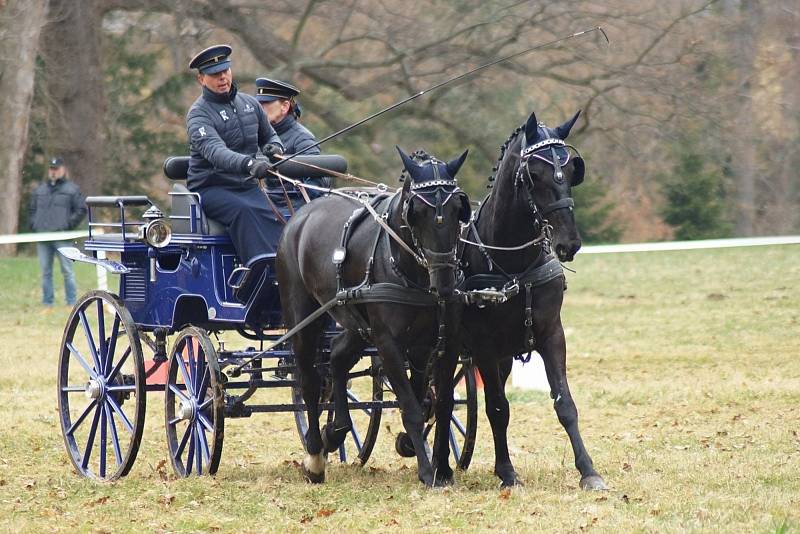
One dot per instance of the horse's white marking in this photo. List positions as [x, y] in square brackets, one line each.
[314, 463]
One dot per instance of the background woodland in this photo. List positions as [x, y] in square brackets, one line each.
[690, 125]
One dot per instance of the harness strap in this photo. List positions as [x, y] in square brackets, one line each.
[272, 205]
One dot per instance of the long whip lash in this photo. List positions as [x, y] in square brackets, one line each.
[439, 85]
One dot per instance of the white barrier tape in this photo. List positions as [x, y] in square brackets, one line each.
[691, 245]
[39, 237]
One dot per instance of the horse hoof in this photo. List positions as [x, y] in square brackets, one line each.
[593, 483]
[507, 475]
[443, 477]
[510, 482]
[404, 446]
[314, 478]
[332, 438]
[313, 468]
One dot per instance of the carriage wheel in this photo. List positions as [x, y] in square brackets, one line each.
[366, 421]
[101, 387]
[195, 401]
[463, 422]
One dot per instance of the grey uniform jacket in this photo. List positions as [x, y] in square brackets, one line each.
[56, 207]
[294, 136]
[225, 133]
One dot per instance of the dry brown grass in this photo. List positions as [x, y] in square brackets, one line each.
[684, 366]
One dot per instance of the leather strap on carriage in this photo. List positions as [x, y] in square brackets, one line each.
[272, 205]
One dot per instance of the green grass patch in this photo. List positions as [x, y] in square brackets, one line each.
[684, 367]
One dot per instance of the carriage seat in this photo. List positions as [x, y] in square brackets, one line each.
[176, 168]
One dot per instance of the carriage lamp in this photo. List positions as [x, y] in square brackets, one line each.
[156, 231]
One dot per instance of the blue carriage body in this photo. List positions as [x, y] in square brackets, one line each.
[187, 281]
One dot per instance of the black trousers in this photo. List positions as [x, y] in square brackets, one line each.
[244, 210]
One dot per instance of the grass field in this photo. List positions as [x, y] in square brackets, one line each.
[684, 367]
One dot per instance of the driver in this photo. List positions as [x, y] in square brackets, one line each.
[226, 130]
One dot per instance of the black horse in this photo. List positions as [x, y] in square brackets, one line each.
[333, 244]
[530, 199]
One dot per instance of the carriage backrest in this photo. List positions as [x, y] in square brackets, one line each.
[176, 167]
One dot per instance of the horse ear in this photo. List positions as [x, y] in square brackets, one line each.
[563, 130]
[455, 164]
[532, 129]
[408, 163]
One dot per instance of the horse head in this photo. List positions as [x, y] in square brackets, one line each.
[433, 209]
[548, 169]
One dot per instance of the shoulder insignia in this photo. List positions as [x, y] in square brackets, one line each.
[224, 114]
[202, 131]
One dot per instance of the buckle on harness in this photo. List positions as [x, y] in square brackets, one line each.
[339, 254]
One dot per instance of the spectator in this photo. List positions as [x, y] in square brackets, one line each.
[56, 205]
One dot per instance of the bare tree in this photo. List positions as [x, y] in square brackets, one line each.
[71, 48]
[20, 25]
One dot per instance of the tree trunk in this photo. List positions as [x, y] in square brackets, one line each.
[20, 26]
[744, 43]
[74, 69]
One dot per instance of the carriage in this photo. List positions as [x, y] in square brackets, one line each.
[191, 321]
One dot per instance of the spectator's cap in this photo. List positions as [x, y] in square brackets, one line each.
[56, 162]
[268, 90]
[212, 60]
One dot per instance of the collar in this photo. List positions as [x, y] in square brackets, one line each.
[211, 96]
[285, 124]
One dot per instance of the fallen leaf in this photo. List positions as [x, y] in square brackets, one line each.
[505, 494]
[626, 466]
[324, 512]
[101, 500]
[167, 499]
[3, 482]
[625, 499]
[306, 519]
[30, 484]
[392, 523]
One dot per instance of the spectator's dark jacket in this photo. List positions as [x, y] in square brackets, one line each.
[55, 207]
[225, 133]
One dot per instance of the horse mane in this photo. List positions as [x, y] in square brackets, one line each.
[503, 149]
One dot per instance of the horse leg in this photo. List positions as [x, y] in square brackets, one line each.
[410, 408]
[494, 374]
[554, 354]
[418, 361]
[345, 352]
[444, 412]
[304, 346]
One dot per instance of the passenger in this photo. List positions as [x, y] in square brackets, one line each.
[279, 101]
[226, 130]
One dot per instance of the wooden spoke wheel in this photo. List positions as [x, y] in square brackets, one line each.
[366, 419]
[101, 387]
[194, 397]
